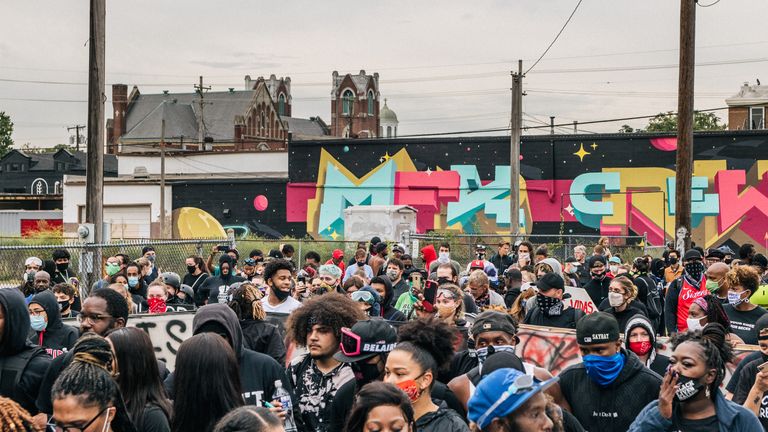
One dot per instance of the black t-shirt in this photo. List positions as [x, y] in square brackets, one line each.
[747, 378]
[743, 322]
[704, 425]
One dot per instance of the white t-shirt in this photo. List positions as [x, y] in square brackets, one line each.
[287, 306]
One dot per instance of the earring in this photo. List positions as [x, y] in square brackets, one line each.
[706, 392]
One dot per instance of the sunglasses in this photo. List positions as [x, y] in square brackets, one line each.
[351, 344]
[362, 296]
[521, 384]
[445, 294]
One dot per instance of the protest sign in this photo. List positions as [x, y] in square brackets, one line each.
[580, 299]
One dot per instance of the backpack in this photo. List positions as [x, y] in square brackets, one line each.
[654, 302]
[12, 369]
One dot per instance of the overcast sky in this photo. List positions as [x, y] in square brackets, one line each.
[444, 65]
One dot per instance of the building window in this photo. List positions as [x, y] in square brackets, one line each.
[281, 104]
[60, 166]
[263, 123]
[389, 131]
[757, 117]
[371, 102]
[13, 167]
[346, 102]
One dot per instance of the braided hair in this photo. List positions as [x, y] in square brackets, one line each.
[14, 418]
[246, 302]
[716, 351]
[429, 342]
[714, 311]
[89, 379]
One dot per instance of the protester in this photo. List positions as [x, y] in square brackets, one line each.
[746, 252]
[444, 257]
[689, 398]
[622, 301]
[249, 419]
[424, 348]
[480, 288]
[49, 332]
[752, 380]
[359, 262]
[218, 286]
[381, 407]
[706, 310]
[62, 273]
[524, 252]
[383, 286]
[445, 273]
[133, 308]
[316, 376]
[149, 253]
[640, 338]
[86, 394]
[550, 310]
[597, 286]
[378, 260]
[195, 277]
[715, 275]
[258, 334]
[156, 297]
[138, 377]
[208, 386]
[580, 254]
[136, 284]
[450, 306]
[509, 400]
[22, 365]
[65, 297]
[42, 282]
[742, 282]
[331, 276]
[395, 269]
[337, 259]
[683, 291]
[519, 308]
[405, 303]
[502, 259]
[15, 418]
[277, 275]
[603, 391]
[111, 268]
[31, 266]
[365, 348]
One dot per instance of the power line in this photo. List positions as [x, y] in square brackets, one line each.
[555, 39]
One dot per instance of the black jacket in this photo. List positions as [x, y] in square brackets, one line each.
[265, 338]
[14, 345]
[442, 420]
[57, 338]
[598, 289]
[196, 282]
[623, 317]
[213, 285]
[611, 408]
[258, 372]
[501, 262]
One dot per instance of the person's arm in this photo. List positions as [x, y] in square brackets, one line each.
[755, 396]
[670, 307]
[209, 261]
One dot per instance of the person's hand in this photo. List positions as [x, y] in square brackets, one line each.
[277, 409]
[215, 250]
[761, 381]
[667, 393]
[39, 422]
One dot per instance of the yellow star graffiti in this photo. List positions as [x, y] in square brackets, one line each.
[594, 146]
[581, 153]
[334, 235]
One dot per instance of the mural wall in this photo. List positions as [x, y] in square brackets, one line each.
[597, 184]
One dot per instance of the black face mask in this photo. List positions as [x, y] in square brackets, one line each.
[550, 306]
[443, 280]
[695, 269]
[191, 269]
[688, 388]
[63, 305]
[672, 261]
[61, 268]
[360, 264]
[366, 372]
[598, 276]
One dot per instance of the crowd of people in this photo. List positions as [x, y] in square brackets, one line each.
[389, 341]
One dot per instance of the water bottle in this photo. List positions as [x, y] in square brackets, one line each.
[284, 397]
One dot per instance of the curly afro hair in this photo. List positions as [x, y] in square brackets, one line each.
[333, 310]
[429, 341]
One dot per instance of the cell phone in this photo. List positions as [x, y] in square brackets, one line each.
[301, 279]
[430, 291]
[416, 280]
[222, 248]
[762, 366]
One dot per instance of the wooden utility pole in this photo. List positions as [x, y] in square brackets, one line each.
[514, 149]
[77, 135]
[163, 224]
[94, 173]
[684, 161]
[200, 90]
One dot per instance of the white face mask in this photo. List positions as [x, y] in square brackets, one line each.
[614, 269]
[694, 323]
[615, 299]
[444, 257]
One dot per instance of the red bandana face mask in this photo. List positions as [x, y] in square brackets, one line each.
[411, 389]
[640, 348]
[156, 305]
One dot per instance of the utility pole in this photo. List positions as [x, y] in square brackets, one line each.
[575, 126]
[551, 125]
[162, 178]
[94, 173]
[514, 149]
[77, 135]
[200, 90]
[684, 160]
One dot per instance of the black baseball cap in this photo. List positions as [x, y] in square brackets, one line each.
[550, 281]
[491, 320]
[692, 254]
[596, 328]
[366, 339]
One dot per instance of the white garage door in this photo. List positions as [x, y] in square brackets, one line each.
[128, 222]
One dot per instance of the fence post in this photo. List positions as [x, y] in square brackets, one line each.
[645, 242]
[299, 259]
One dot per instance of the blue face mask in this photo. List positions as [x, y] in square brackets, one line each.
[603, 369]
[133, 281]
[37, 322]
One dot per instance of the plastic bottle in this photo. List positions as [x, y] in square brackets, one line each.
[284, 397]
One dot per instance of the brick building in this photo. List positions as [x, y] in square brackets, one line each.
[746, 109]
[355, 105]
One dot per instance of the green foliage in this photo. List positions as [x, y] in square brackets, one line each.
[667, 122]
[6, 129]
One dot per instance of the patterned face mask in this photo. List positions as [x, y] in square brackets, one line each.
[550, 306]
[484, 352]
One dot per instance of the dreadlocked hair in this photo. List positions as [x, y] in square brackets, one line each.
[246, 302]
[333, 310]
[715, 313]
[14, 418]
[429, 341]
[716, 351]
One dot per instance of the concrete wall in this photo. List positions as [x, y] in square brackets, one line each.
[204, 163]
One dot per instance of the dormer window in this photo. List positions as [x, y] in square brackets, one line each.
[371, 102]
[281, 104]
[346, 103]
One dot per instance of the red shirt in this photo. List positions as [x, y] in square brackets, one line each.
[340, 265]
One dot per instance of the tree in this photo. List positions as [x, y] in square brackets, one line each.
[6, 129]
[625, 128]
[667, 122]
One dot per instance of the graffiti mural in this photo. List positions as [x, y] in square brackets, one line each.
[620, 184]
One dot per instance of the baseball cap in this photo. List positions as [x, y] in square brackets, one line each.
[501, 393]
[398, 248]
[338, 253]
[595, 259]
[572, 261]
[550, 281]
[615, 260]
[761, 327]
[692, 254]
[477, 264]
[33, 261]
[596, 328]
[715, 253]
[492, 320]
[366, 339]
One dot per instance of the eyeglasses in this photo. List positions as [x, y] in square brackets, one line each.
[351, 344]
[92, 318]
[36, 312]
[63, 428]
[363, 296]
[521, 384]
[445, 294]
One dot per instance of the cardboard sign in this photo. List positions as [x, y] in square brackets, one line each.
[580, 299]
